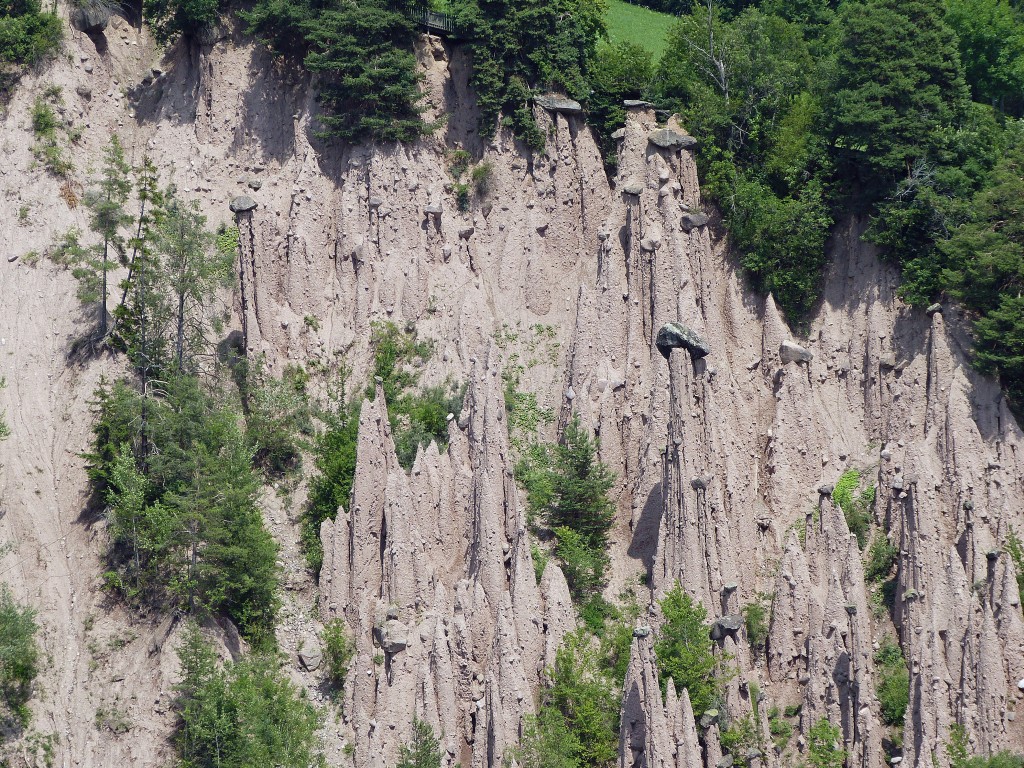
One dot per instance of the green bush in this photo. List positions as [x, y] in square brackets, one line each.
[881, 559]
[824, 746]
[547, 742]
[894, 682]
[685, 650]
[241, 714]
[19, 659]
[47, 148]
[334, 452]
[338, 650]
[278, 414]
[856, 509]
[583, 694]
[5, 431]
[755, 616]
[28, 36]
[423, 750]
[170, 18]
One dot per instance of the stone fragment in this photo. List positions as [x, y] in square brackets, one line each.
[554, 103]
[636, 103]
[466, 232]
[667, 138]
[701, 483]
[374, 203]
[933, 309]
[641, 631]
[676, 335]
[825, 489]
[84, 91]
[242, 203]
[791, 352]
[254, 184]
[619, 134]
[693, 220]
[633, 187]
[887, 361]
[432, 209]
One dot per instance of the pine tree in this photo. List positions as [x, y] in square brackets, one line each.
[899, 81]
[580, 485]
[191, 270]
[108, 218]
[423, 750]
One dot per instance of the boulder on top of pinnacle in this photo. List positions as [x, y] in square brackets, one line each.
[667, 138]
[673, 335]
[242, 203]
[791, 352]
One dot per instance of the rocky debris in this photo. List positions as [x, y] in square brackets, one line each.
[676, 335]
[791, 352]
[667, 138]
[693, 220]
[91, 18]
[242, 204]
[554, 103]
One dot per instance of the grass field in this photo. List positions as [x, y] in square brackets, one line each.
[633, 24]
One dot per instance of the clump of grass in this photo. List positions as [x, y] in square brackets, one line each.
[46, 127]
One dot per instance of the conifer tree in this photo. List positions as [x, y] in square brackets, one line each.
[191, 270]
[108, 218]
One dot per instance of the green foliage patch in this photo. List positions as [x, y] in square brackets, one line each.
[339, 649]
[856, 506]
[28, 36]
[686, 652]
[241, 714]
[893, 682]
[19, 659]
[633, 24]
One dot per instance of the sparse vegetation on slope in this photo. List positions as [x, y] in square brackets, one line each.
[19, 660]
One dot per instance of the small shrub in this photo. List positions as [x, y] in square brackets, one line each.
[19, 659]
[584, 566]
[5, 431]
[894, 682]
[824, 746]
[739, 738]
[311, 322]
[540, 561]
[547, 742]
[881, 558]
[780, 729]
[461, 196]
[459, 161]
[278, 413]
[755, 616]
[244, 713]
[47, 147]
[338, 650]
[481, 176]
[423, 750]
[856, 509]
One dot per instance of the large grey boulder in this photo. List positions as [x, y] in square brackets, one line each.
[667, 138]
[91, 18]
[392, 636]
[791, 352]
[553, 103]
[633, 187]
[693, 220]
[242, 203]
[674, 335]
[727, 625]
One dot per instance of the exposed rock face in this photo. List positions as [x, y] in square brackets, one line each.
[445, 545]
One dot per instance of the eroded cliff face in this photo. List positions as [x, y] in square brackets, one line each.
[719, 460]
